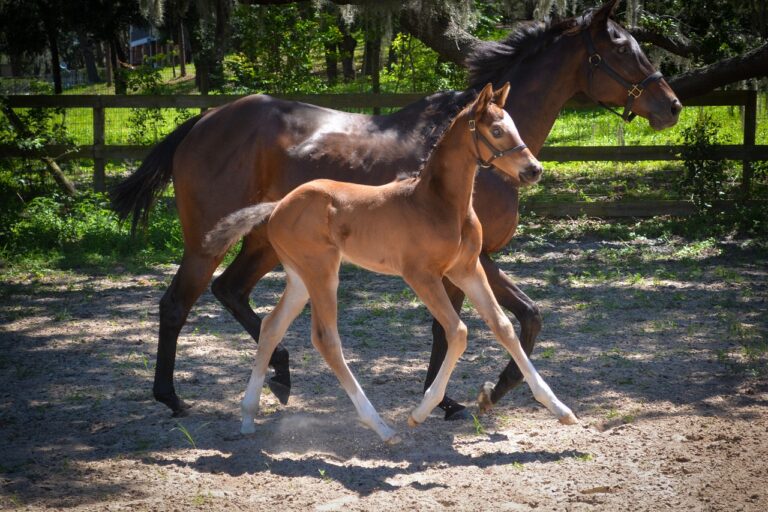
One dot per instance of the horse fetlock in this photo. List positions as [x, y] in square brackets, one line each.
[484, 402]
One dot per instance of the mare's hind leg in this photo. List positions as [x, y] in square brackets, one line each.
[431, 291]
[527, 312]
[190, 280]
[233, 288]
[325, 338]
[272, 331]
[475, 285]
[453, 409]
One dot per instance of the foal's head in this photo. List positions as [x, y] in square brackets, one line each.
[497, 142]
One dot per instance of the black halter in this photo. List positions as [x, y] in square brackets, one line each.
[495, 153]
[633, 90]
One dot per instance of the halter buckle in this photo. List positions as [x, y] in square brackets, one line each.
[595, 59]
[471, 125]
[635, 91]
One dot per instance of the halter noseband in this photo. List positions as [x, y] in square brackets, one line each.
[495, 153]
[633, 90]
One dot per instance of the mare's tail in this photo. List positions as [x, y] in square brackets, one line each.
[136, 194]
[235, 226]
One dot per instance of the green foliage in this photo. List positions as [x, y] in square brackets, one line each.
[418, 68]
[705, 178]
[275, 49]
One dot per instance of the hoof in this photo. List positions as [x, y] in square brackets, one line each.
[568, 419]
[248, 428]
[395, 439]
[453, 410]
[412, 422]
[484, 403]
[280, 390]
[174, 403]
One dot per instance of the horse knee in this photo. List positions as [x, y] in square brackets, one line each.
[172, 314]
[457, 338]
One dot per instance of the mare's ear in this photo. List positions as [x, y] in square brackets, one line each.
[500, 95]
[601, 15]
[483, 99]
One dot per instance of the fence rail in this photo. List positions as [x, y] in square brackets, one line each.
[100, 152]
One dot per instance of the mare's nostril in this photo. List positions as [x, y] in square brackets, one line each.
[676, 107]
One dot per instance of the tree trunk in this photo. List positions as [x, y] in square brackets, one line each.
[121, 83]
[348, 45]
[88, 56]
[108, 63]
[53, 45]
[182, 51]
[331, 63]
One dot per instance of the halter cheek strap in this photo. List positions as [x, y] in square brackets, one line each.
[633, 90]
[495, 152]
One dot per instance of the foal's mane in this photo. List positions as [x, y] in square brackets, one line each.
[493, 60]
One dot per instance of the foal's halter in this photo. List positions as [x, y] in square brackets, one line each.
[633, 90]
[495, 152]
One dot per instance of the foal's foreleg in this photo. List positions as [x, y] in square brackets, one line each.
[475, 285]
[431, 291]
[233, 288]
[325, 338]
[272, 331]
[512, 298]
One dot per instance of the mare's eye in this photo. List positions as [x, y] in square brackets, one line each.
[623, 49]
[496, 132]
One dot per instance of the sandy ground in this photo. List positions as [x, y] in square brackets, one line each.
[658, 346]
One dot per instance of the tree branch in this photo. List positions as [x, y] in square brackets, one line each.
[753, 64]
[677, 45]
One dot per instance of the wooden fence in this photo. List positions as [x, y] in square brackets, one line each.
[100, 152]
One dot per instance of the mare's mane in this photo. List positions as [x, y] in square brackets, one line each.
[493, 60]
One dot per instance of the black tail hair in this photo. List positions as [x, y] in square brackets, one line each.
[136, 194]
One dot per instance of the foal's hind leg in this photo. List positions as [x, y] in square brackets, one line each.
[272, 331]
[527, 312]
[191, 278]
[475, 285]
[233, 288]
[431, 291]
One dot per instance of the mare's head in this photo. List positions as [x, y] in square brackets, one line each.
[496, 141]
[616, 71]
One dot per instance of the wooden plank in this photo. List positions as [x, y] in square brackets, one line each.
[750, 130]
[619, 209]
[99, 163]
[644, 153]
[352, 100]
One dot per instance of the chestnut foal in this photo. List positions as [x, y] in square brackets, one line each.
[422, 229]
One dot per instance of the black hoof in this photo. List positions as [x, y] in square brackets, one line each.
[280, 390]
[174, 403]
[454, 410]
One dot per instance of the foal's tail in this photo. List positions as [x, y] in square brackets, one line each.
[235, 226]
[136, 194]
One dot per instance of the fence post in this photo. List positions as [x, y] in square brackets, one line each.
[750, 129]
[99, 163]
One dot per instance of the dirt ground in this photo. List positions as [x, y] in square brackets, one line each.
[659, 346]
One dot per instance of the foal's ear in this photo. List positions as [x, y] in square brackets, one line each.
[483, 99]
[601, 16]
[500, 95]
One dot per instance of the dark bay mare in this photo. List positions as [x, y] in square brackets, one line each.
[258, 149]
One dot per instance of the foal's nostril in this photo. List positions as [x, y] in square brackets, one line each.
[676, 107]
[533, 171]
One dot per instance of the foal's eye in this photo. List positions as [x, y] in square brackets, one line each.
[496, 132]
[623, 49]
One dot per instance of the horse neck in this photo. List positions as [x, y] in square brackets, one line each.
[552, 78]
[449, 173]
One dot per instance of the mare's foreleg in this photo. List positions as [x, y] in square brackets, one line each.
[453, 409]
[433, 294]
[527, 313]
[190, 280]
[475, 285]
[273, 329]
[233, 288]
